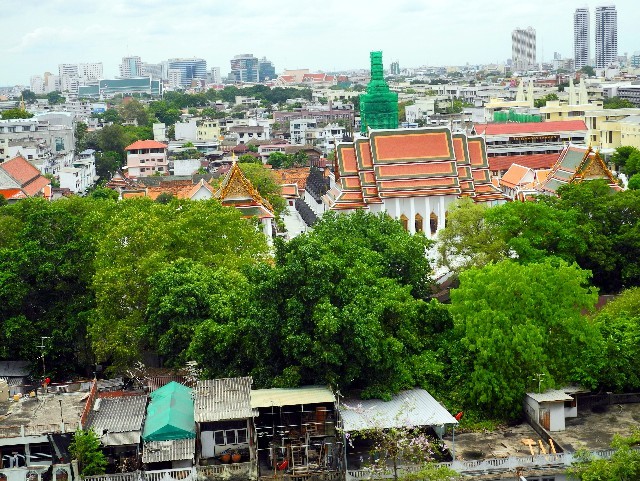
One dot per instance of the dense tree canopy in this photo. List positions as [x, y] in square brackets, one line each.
[516, 321]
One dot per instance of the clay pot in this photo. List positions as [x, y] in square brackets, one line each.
[235, 458]
[225, 458]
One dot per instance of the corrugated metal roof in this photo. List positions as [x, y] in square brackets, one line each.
[14, 368]
[409, 408]
[262, 398]
[552, 395]
[220, 399]
[118, 415]
[176, 450]
[121, 439]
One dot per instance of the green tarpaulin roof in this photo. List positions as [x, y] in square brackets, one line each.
[170, 414]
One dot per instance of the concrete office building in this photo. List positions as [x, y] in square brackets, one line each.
[606, 36]
[523, 48]
[581, 37]
[244, 68]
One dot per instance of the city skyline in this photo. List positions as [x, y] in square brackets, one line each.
[42, 35]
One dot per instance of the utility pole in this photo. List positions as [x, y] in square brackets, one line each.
[42, 348]
[538, 377]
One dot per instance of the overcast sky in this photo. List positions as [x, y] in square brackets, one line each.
[320, 34]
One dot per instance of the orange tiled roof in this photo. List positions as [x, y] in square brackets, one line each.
[12, 193]
[21, 170]
[146, 144]
[296, 175]
[515, 175]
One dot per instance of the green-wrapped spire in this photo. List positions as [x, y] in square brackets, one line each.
[379, 106]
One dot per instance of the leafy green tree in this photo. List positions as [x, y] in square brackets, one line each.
[113, 138]
[634, 182]
[16, 114]
[54, 182]
[46, 254]
[134, 110]
[617, 103]
[339, 308]
[632, 166]
[110, 116]
[164, 112]
[543, 101]
[619, 324]
[29, 97]
[56, 97]
[621, 155]
[108, 163]
[189, 305]
[140, 238]
[165, 198]
[277, 159]
[249, 159]
[624, 464]
[81, 131]
[104, 193]
[85, 448]
[515, 321]
[588, 70]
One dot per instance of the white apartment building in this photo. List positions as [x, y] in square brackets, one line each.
[146, 158]
[523, 48]
[131, 67]
[606, 36]
[72, 75]
[581, 45]
[421, 110]
[175, 78]
[298, 129]
[81, 174]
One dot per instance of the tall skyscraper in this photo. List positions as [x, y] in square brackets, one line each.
[190, 69]
[606, 36]
[581, 51]
[523, 48]
[244, 68]
[131, 67]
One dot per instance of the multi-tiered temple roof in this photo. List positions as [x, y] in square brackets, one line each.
[576, 165]
[404, 163]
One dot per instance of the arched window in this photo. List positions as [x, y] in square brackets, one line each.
[405, 221]
[433, 223]
[419, 226]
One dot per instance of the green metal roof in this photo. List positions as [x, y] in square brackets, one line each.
[170, 414]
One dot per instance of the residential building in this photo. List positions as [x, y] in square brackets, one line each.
[244, 68]
[606, 36]
[74, 75]
[298, 129]
[523, 48]
[422, 109]
[208, 130]
[395, 68]
[264, 151]
[581, 43]
[245, 133]
[174, 76]
[634, 61]
[190, 69]
[266, 70]
[146, 158]
[214, 76]
[131, 67]
[19, 179]
[81, 174]
[326, 115]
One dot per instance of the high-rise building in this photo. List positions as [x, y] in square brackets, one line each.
[157, 71]
[523, 48]
[606, 36]
[214, 76]
[190, 69]
[634, 61]
[581, 43]
[72, 75]
[266, 70]
[131, 67]
[395, 68]
[244, 68]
